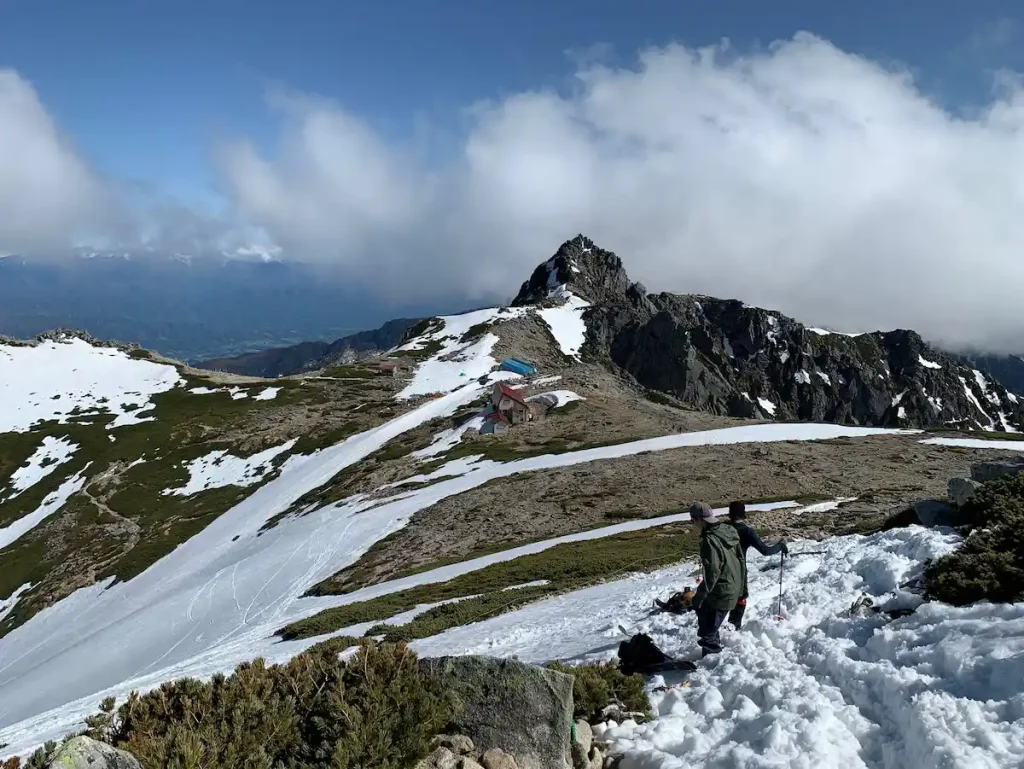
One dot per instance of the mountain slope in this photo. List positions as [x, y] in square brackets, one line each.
[728, 358]
[309, 356]
[1008, 369]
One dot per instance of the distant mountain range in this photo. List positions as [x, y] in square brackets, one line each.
[184, 307]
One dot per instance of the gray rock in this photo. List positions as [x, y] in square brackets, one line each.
[86, 753]
[932, 512]
[596, 758]
[983, 472]
[468, 762]
[496, 758]
[441, 758]
[584, 734]
[459, 744]
[523, 709]
[580, 757]
[961, 490]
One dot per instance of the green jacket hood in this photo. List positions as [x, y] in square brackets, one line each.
[724, 533]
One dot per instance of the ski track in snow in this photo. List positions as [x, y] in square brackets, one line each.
[50, 380]
[181, 616]
[941, 688]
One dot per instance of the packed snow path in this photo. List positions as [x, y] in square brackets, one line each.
[943, 687]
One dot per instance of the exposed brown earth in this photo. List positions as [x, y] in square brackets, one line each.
[885, 473]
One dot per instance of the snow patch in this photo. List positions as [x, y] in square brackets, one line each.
[567, 324]
[546, 380]
[928, 363]
[973, 399]
[896, 401]
[48, 457]
[767, 405]
[54, 380]
[53, 502]
[728, 347]
[268, 394]
[824, 377]
[219, 469]
[457, 362]
[7, 604]
[977, 443]
[802, 377]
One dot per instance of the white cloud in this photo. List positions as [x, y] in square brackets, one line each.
[48, 195]
[799, 177]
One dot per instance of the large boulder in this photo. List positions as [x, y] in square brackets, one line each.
[499, 703]
[961, 490]
[932, 512]
[86, 753]
[983, 472]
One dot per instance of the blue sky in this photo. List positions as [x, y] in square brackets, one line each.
[853, 164]
[143, 87]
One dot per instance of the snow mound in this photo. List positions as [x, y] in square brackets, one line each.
[54, 380]
[567, 324]
[268, 394]
[48, 457]
[941, 687]
[457, 362]
[219, 469]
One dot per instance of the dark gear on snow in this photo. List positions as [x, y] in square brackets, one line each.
[640, 655]
[678, 603]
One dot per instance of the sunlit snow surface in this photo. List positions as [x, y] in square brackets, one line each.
[458, 361]
[567, 324]
[219, 469]
[50, 380]
[51, 454]
[943, 687]
[217, 599]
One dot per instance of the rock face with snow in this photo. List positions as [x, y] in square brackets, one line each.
[520, 709]
[722, 356]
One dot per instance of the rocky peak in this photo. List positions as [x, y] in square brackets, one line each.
[581, 268]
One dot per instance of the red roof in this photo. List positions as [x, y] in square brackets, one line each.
[497, 416]
[513, 394]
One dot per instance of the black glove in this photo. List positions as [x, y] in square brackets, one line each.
[785, 547]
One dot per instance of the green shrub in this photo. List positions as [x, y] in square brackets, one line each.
[378, 710]
[598, 685]
[990, 563]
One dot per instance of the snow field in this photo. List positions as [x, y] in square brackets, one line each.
[51, 380]
[217, 599]
[219, 469]
[567, 324]
[977, 443]
[51, 454]
[457, 362]
[942, 687]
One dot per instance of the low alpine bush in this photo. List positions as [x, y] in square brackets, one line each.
[376, 710]
[598, 685]
[990, 563]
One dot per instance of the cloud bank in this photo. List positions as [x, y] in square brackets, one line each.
[48, 195]
[798, 177]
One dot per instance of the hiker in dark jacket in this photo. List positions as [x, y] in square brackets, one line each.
[749, 538]
[725, 574]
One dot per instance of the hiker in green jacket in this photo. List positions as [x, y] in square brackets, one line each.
[725, 574]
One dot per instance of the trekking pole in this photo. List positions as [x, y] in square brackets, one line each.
[782, 567]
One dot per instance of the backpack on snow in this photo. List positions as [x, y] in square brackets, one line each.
[640, 655]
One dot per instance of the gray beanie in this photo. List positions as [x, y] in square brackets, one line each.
[701, 511]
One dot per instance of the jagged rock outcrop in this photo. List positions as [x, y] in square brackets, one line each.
[722, 356]
[86, 753]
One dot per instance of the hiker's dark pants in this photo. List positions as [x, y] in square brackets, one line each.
[736, 615]
[708, 623]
